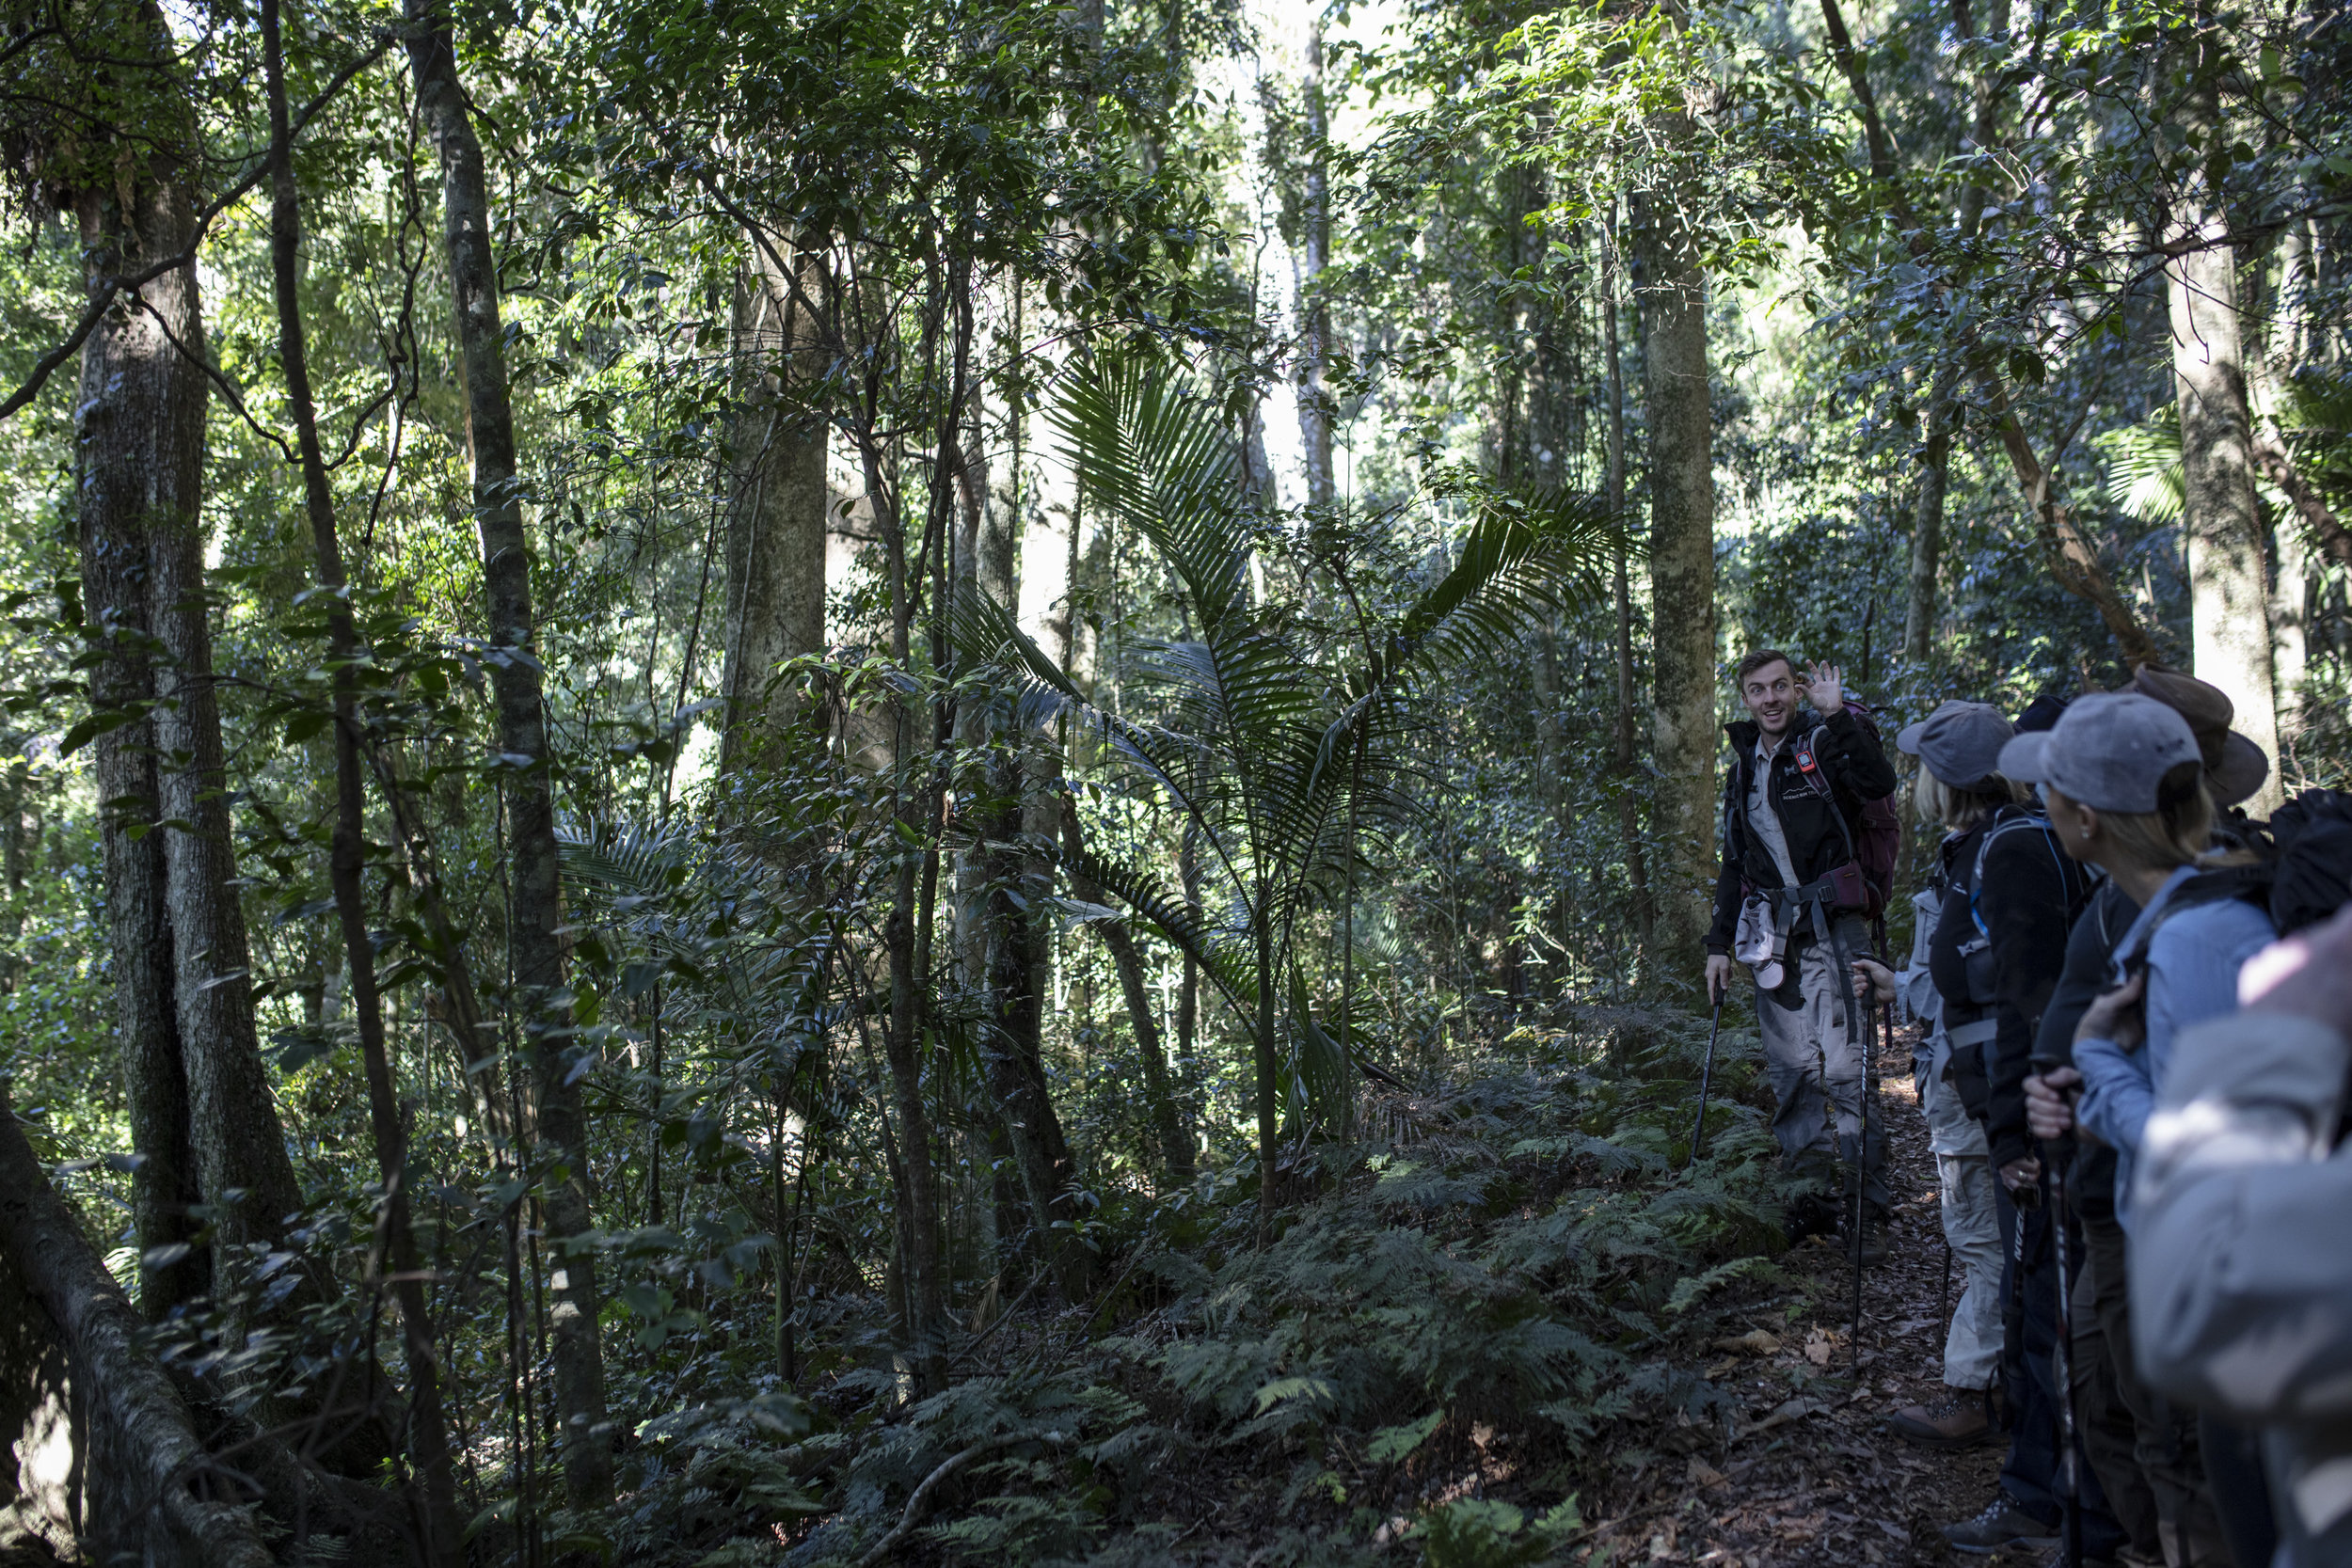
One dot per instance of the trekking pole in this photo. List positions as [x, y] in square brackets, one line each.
[1861, 1028]
[1698, 1130]
[2061, 1367]
[1943, 1296]
[1862, 1164]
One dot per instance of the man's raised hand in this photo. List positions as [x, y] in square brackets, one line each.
[1824, 688]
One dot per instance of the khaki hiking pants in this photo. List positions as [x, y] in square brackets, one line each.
[1815, 1063]
[1972, 1227]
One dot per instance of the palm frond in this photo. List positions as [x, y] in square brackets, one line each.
[1158, 456]
[2145, 476]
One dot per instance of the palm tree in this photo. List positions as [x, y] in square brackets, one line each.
[1277, 720]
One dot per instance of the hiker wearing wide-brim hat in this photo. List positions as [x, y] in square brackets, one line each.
[2234, 765]
[1997, 944]
[2235, 769]
[2125, 776]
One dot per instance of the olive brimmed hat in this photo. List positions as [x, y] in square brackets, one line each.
[2234, 765]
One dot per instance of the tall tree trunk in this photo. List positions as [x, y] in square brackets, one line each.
[537, 952]
[1314, 349]
[1673, 297]
[151, 1487]
[775, 543]
[441, 1531]
[139, 436]
[2228, 584]
[1943, 411]
[2279, 349]
[1019, 971]
[196, 1086]
[1629, 798]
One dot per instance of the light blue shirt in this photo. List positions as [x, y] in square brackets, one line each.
[2193, 961]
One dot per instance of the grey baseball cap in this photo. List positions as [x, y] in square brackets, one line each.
[1961, 742]
[2107, 750]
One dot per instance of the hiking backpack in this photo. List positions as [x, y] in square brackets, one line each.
[2301, 872]
[1879, 844]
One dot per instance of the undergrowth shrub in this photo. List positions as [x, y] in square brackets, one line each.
[1501, 1270]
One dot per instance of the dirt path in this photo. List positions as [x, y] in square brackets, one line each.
[1816, 1478]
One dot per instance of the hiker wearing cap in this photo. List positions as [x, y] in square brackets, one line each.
[1793, 900]
[1997, 943]
[1959, 789]
[2111, 1404]
[2124, 776]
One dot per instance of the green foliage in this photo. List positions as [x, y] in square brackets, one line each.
[1472, 1533]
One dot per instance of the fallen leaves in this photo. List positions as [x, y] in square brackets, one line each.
[1753, 1342]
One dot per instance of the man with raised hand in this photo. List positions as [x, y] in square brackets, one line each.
[1792, 903]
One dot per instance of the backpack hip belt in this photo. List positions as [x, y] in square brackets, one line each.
[1816, 902]
[1973, 1034]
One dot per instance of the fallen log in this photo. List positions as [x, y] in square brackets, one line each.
[167, 1496]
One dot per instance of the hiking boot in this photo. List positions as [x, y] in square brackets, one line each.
[2001, 1524]
[1958, 1421]
[1872, 1251]
[1807, 1217]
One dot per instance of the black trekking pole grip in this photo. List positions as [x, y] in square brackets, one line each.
[1707, 1072]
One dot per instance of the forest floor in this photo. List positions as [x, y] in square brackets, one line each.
[1746, 1427]
[1809, 1475]
[1819, 1480]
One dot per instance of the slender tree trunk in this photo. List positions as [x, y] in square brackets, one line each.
[539, 957]
[2074, 559]
[441, 1531]
[1018, 973]
[1188, 979]
[1673, 297]
[1265, 1056]
[775, 543]
[1927, 525]
[2229, 583]
[1167, 1122]
[1314, 349]
[923, 1262]
[1629, 798]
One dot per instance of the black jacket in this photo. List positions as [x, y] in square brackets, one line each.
[2089, 959]
[1857, 771]
[2028, 900]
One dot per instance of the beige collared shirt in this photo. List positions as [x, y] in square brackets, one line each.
[1763, 820]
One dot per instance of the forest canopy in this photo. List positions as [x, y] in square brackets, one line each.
[791, 783]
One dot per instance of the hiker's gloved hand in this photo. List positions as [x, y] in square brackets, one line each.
[1825, 688]
[1718, 976]
[2306, 976]
[2117, 1015]
[2049, 1104]
[1873, 981]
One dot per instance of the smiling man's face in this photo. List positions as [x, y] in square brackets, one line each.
[1770, 695]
